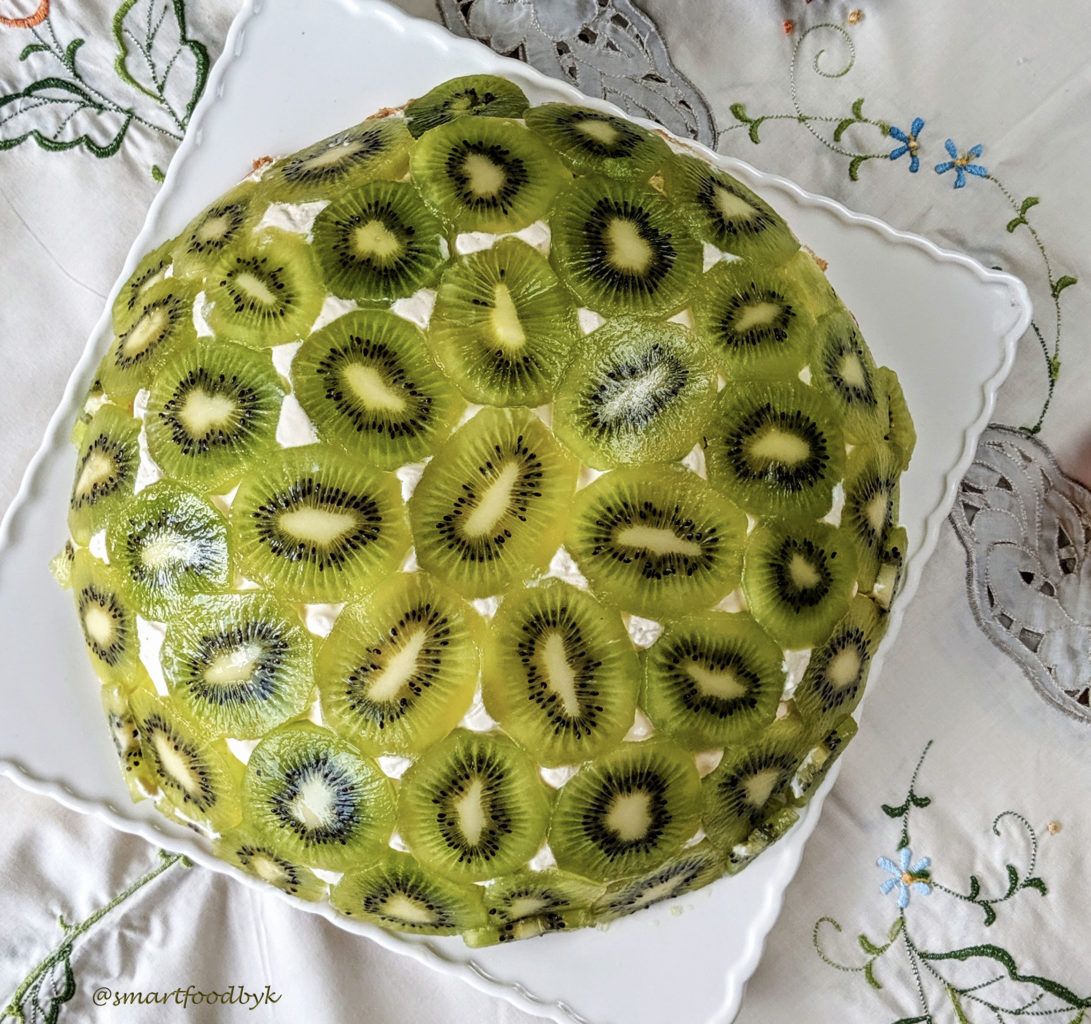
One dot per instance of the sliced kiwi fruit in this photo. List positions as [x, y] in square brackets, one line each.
[314, 798]
[265, 292]
[712, 680]
[834, 680]
[486, 173]
[213, 407]
[378, 243]
[637, 391]
[891, 573]
[798, 578]
[752, 783]
[725, 213]
[151, 269]
[842, 368]
[468, 96]
[808, 272]
[317, 525]
[656, 541]
[135, 762]
[216, 230]
[490, 508]
[107, 616]
[107, 461]
[592, 142]
[619, 247]
[241, 848]
[197, 778]
[239, 664]
[685, 872]
[525, 904]
[627, 811]
[871, 506]
[503, 325]
[822, 757]
[398, 892]
[169, 545]
[162, 321]
[375, 148]
[399, 668]
[776, 449]
[368, 383]
[760, 839]
[754, 320]
[900, 434]
[473, 806]
[561, 673]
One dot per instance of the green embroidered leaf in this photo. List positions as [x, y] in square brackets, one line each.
[157, 57]
[60, 115]
[842, 126]
[1035, 883]
[70, 55]
[1013, 880]
[1028, 203]
[990, 914]
[895, 812]
[913, 1020]
[1005, 959]
[157, 174]
[896, 927]
[869, 947]
[920, 801]
[55, 988]
[960, 1014]
[870, 975]
[33, 48]
[1062, 283]
[1014, 223]
[858, 108]
[738, 111]
[854, 167]
[1053, 364]
[975, 887]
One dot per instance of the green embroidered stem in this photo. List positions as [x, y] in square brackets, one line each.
[912, 800]
[873, 950]
[63, 952]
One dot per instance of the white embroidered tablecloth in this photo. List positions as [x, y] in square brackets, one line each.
[946, 881]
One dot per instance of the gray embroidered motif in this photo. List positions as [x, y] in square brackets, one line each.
[605, 48]
[1026, 528]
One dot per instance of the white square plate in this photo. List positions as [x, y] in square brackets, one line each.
[292, 72]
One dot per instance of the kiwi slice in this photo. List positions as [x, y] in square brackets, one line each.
[315, 799]
[900, 433]
[712, 680]
[197, 778]
[467, 96]
[503, 325]
[107, 461]
[241, 848]
[529, 903]
[151, 269]
[833, 683]
[725, 213]
[125, 732]
[473, 807]
[169, 545]
[486, 173]
[562, 674]
[798, 578]
[375, 148]
[752, 783]
[687, 871]
[843, 369]
[239, 663]
[776, 449]
[619, 247]
[396, 892]
[754, 320]
[491, 506]
[891, 573]
[368, 383]
[378, 243]
[871, 506]
[107, 616]
[217, 230]
[626, 812]
[637, 391]
[317, 525]
[162, 321]
[265, 292]
[592, 142]
[817, 764]
[212, 408]
[656, 541]
[760, 839]
[399, 668]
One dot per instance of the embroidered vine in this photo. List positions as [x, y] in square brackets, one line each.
[52, 983]
[848, 135]
[1023, 994]
[158, 74]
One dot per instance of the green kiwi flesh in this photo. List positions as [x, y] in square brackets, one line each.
[107, 617]
[530, 903]
[687, 871]
[870, 512]
[241, 848]
[468, 96]
[107, 460]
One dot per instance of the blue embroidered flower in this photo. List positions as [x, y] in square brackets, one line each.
[907, 877]
[909, 143]
[962, 164]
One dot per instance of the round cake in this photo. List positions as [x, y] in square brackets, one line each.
[484, 519]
